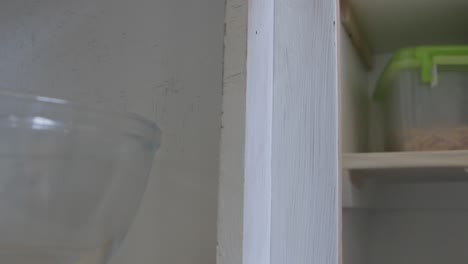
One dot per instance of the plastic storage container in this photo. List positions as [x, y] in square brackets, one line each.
[423, 93]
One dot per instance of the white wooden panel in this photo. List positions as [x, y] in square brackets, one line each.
[257, 205]
[231, 182]
[161, 59]
[305, 169]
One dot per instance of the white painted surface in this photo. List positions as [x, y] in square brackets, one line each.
[305, 169]
[245, 192]
[398, 23]
[257, 205]
[162, 59]
[231, 182]
[291, 205]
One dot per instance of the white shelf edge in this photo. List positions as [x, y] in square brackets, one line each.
[386, 160]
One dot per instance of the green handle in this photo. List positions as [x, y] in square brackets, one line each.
[424, 57]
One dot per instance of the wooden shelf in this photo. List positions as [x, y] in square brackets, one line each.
[407, 166]
[383, 160]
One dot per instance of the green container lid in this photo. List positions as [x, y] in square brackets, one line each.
[425, 58]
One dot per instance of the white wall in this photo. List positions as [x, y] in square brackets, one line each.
[159, 58]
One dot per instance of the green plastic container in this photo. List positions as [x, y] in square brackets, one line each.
[423, 93]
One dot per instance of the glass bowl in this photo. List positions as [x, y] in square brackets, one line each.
[71, 179]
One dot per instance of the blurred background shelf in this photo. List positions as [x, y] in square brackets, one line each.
[407, 166]
[384, 160]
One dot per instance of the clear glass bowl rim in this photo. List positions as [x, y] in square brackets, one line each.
[58, 103]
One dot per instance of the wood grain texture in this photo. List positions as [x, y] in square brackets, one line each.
[231, 181]
[258, 153]
[305, 166]
[382, 160]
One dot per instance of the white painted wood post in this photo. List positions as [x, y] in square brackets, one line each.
[291, 189]
[257, 204]
[245, 187]
[305, 150]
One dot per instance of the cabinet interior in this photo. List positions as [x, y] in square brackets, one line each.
[403, 215]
